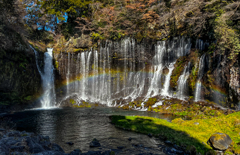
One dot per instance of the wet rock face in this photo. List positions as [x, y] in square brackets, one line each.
[220, 141]
[20, 79]
[235, 79]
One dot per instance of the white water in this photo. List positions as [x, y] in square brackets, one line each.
[157, 70]
[200, 75]
[68, 73]
[48, 98]
[182, 83]
[129, 78]
[157, 104]
[165, 91]
[201, 45]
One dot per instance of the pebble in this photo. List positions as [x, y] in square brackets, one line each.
[196, 123]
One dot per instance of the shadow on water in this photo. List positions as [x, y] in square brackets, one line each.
[146, 126]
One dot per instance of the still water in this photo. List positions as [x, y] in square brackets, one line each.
[82, 125]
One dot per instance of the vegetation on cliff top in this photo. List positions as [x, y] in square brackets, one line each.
[86, 22]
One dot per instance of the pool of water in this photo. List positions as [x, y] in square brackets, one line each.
[82, 125]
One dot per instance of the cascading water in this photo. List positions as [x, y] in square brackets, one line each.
[182, 83]
[119, 70]
[200, 75]
[157, 70]
[48, 99]
[201, 45]
[68, 73]
[165, 91]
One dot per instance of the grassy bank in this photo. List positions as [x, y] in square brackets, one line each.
[191, 134]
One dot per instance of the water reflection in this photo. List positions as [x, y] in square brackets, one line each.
[81, 126]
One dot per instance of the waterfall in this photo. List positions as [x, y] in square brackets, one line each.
[77, 73]
[83, 76]
[200, 75]
[165, 91]
[201, 45]
[121, 70]
[157, 70]
[182, 83]
[36, 57]
[68, 73]
[48, 99]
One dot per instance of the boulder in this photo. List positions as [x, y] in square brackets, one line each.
[76, 152]
[56, 147]
[33, 147]
[49, 153]
[17, 148]
[92, 153]
[95, 143]
[19, 153]
[150, 135]
[220, 141]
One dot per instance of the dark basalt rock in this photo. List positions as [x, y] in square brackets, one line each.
[76, 152]
[23, 143]
[120, 147]
[150, 135]
[56, 147]
[70, 143]
[92, 153]
[17, 148]
[220, 141]
[168, 142]
[129, 138]
[95, 143]
[19, 153]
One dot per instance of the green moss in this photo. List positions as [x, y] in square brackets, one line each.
[183, 132]
[77, 50]
[114, 35]
[193, 111]
[24, 135]
[193, 78]
[179, 67]
[97, 36]
[150, 102]
[139, 36]
[72, 101]
[28, 98]
[56, 64]
[83, 105]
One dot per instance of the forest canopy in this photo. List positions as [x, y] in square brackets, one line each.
[114, 19]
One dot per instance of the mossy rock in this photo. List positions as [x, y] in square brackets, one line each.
[178, 69]
[150, 102]
[220, 141]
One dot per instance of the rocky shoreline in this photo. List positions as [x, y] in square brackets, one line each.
[14, 142]
[25, 143]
